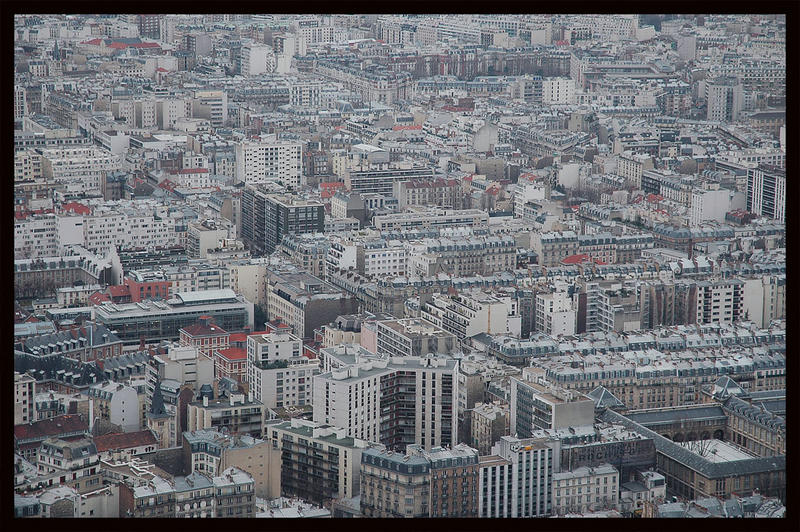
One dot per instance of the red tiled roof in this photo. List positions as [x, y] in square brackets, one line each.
[93, 41]
[576, 259]
[161, 69]
[402, 128]
[98, 297]
[233, 353]
[119, 290]
[198, 329]
[124, 440]
[47, 428]
[77, 208]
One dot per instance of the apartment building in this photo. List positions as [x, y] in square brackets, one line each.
[267, 218]
[488, 423]
[305, 302]
[235, 414]
[36, 236]
[631, 165]
[319, 463]
[585, 489]
[538, 404]
[395, 401]
[24, 404]
[428, 218]
[469, 255]
[381, 494]
[211, 105]
[436, 483]
[558, 91]
[552, 248]
[117, 404]
[210, 452]
[79, 169]
[766, 191]
[277, 372]
[556, 314]
[516, 481]
[412, 337]
[719, 301]
[446, 193]
[73, 463]
[263, 162]
[724, 99]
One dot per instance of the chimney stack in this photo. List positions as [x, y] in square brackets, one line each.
[205, 400]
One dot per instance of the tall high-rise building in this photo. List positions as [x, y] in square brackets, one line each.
[149, 26]
[396, 401]
[724, 98]
[258, 162]
[519, 482]
[766, 191]
[266, 218]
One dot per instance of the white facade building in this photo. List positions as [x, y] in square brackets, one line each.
[558, 91]
[278, 373]
[269, 162]
[79, 169]
[357, 399]
[556, 314]
[585, 489]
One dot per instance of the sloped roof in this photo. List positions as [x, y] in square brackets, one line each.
[124, 440]
[604, 399]
[48, 428]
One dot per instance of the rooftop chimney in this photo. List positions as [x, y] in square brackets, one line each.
[205, 400]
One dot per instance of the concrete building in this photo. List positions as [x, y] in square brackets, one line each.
[537, 405]
[305, 302]
[585, 489]
[523, 488]
[211, 105]
[79, 169]
[724, 99]
[764, 299]
[210, 452]
[24, 404]
[558, 91]
[719, 301]
[412, 337]
[488, 423]
[115, 403]
[265, 162]
[711, 205]
[256, 59]
[468, 313]
[156, 320]
[766, 192]
[395, 401]
[278, 374]
[266, 218]
[556, 314]
[333, 474]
